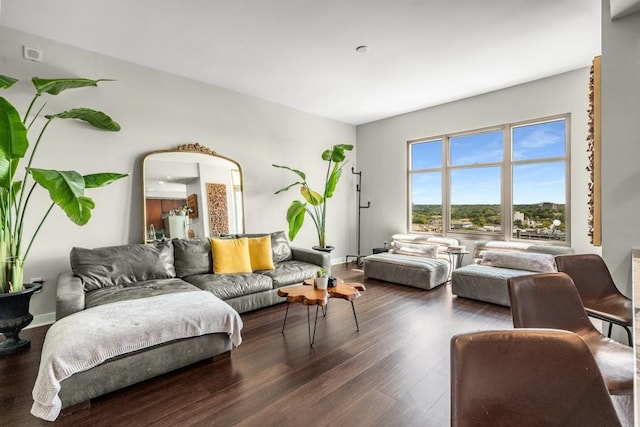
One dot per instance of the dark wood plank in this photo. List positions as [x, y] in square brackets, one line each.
[395, 371]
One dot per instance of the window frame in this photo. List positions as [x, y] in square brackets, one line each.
[506, 179]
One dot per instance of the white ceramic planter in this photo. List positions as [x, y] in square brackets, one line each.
[321, 282]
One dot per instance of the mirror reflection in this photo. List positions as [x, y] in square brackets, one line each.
[191, 192]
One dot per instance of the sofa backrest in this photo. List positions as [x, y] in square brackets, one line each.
[425, 239]
[122, 265]
[481, 246]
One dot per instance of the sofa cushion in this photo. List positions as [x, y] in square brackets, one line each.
[280, 247]
[226, 286]
[192, 256]
[122, 265]
[291, 272]
[231, 256]
[541, 263]
[415, 249]
[260, 253]
[148, 288]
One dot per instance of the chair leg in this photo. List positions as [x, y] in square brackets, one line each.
[629, 335]
[610, 326]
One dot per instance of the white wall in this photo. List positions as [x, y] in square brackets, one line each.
[382, 148]
[620, 143]
[157, 111]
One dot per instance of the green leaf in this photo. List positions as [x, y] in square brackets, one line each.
[344, 147]
[95, 118]
[96, 180]
[332, 182]
[288, 187]
[313, 197]
[297, 172]
[6, 81]
[295, 217]
[66, 189]
[13, 141]
[336, 154]
[55, 86]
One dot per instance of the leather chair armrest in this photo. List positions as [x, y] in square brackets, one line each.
[69, 295]
[321, 259]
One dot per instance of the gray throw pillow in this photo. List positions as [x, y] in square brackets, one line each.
[192, 256]
[280, 247]
[122, 265]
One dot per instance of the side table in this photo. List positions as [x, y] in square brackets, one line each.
[309, 295]
[455, 258]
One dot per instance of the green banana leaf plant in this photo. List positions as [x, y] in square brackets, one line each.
[315, 203]
[65, 188]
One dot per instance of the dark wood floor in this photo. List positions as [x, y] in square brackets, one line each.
[394, 372]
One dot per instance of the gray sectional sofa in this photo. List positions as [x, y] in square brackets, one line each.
[494, 262]
[110, 275]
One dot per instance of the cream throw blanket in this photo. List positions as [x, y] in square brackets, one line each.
[85, 339]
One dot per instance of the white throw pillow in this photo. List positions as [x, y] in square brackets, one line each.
[540, 263]
[414, 249]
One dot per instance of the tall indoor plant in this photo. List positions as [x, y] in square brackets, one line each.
[17, 184]
[316, 203]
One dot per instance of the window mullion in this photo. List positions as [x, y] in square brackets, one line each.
[446, 180]
[507, 188]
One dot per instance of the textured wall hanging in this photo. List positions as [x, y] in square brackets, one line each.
[218, 211]
[594, 141]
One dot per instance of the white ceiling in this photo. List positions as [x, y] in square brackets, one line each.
[301, 53]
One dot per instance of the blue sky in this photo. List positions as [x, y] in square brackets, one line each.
[532, 183]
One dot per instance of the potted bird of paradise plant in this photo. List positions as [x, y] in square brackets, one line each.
[17, 188]
[315, 204]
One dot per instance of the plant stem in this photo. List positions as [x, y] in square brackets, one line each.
[21, 207]
[36, 116]
[33, 101]
[35, 233]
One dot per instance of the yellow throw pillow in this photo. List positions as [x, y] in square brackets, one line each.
[260, 253]
[231, 256]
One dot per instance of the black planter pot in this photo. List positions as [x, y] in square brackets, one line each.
[325, 249]
[14, 316]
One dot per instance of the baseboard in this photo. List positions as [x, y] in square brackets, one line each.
[42, 319]
[336, 261]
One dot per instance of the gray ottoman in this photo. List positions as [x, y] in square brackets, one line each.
[419, 272]
[484, 283]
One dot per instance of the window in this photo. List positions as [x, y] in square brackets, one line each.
[509, 181]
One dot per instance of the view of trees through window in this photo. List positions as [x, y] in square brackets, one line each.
[508, 181]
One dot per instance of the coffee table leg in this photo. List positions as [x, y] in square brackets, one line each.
[285, 317]
[315, 323]
[353, 307]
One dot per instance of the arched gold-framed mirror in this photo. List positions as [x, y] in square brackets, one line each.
[191, 191]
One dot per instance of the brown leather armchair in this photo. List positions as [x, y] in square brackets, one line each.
[599, 294]
[526, 377]
[551, 300]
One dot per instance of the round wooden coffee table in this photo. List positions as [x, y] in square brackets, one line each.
[307, 294]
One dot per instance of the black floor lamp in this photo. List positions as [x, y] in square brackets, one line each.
[358, 257]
